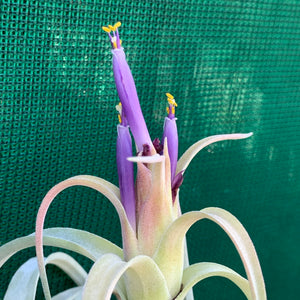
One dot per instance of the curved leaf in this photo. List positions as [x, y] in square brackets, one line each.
[107, 189]
[27, 274]
[190, 153]
[90, 245]
[143, 279]
[172, 245]
[24, 282]
[74, 293]
[197, 272]
[69, 265]
[186, 263]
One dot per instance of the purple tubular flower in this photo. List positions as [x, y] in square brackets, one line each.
[127, 91]
[126, 173]
[129, 99]
[170, 132]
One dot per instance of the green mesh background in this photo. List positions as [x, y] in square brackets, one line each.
[233, 66]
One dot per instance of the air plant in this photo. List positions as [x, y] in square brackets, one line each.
[153, 263]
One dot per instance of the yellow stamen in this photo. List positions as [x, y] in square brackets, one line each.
[111, 27]
[117, 25]
[171, 99]
[119, 108]
[172, 102]
[106, 29]
[168, 110]
[115, 45]
[169, 96]
[173, 110]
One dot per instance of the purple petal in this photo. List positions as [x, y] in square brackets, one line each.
[129, 99]
[126, 173]
[170, 132]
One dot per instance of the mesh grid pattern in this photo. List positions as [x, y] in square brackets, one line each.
[233, 66]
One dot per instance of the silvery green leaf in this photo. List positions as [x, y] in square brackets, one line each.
[190, 153]
[142, 278]
[197, 272]
[107, 189]
[82, 242]
[23, 284]
[172, 245]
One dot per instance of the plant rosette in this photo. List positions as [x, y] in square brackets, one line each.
[153, 263]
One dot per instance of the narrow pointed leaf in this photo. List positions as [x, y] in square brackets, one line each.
[190, 153]
[69, 265]
[197, 272]
[82, 242]
[172, 245]
[107, 189]
[23, 285]
[156, 158]
[143, 279]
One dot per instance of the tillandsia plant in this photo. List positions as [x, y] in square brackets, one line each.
[153, 263]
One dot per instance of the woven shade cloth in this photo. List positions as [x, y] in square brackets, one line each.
[233, 66]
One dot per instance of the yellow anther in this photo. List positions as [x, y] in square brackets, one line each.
[106, 29]
[111, 27]
[119, 108]
[117, 25]
[169, 96]
[173, 110]
[168, 110]
[172, 102]
[171, 99]
[115, 45]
